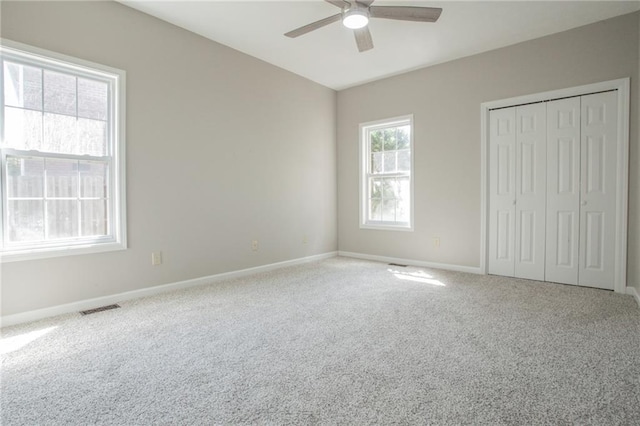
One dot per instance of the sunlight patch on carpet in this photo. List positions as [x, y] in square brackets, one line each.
[417, 276]
[14, 343]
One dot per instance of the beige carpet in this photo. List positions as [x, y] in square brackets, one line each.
[340, 341]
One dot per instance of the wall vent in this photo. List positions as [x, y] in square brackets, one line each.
[100, 309]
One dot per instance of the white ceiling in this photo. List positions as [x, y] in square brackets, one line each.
[329, 56]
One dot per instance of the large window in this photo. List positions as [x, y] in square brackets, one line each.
[62, 151]
[386, 174]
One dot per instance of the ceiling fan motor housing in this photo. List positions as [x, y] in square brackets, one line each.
[356, 16]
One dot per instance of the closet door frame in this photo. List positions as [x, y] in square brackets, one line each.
[622, 86]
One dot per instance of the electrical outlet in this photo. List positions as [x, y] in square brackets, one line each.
[436, 242]
[254, 245]
[156, 258]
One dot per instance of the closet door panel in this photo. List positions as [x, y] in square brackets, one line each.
[598, 190]
[530, 194]
[563, 191]
[502, 184]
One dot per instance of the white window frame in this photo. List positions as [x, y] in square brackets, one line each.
[117, 238]
[365, 173]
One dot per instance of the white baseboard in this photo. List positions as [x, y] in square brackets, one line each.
[82, 305]
[448, 267]
[633, 292]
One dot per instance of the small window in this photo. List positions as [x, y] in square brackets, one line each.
[387, 174]
[62, 152]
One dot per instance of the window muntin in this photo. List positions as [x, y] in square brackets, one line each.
[386, 201]
[61, 145]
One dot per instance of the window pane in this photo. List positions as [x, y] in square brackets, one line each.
[22, 86]
[62, 178]
[402, 136]
[389, 139]
[375, 199]
[403, 188]
[376, 209]
[376, 162]
[402, 212]
[92, 137]
[389, 188]
[404, 161]
[25, 220]
[25, 177]
[94, 217]
[375, 186]
[60, 134]
[22, 129]
[93, 179]
[390, 161]
[404, 200]
[59, 93]
[376, 141]
[62, 218]
[389, 210]
[92, 99]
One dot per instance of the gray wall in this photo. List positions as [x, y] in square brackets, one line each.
[222, 148]
[445, 100]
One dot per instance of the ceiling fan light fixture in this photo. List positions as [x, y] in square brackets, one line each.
[355, 18]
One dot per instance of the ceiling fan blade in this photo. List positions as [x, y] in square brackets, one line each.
[363, 39]
[338, 3]
[314, 26]
[406, 13]
[365, 2]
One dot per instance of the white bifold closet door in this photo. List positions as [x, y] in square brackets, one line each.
[518, 191]
[552, 197]
[598, 190]
[581, 192]
[502, 197]
[563, 190]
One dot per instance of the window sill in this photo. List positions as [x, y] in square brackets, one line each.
[45, 253]
[385, 227]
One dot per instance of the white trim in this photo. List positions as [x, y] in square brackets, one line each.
[622, 178]
[386, 227]
[49, 252]
[47, 56]
[633, 292]
[81, 305]
[484, 182]
[413, 262]
[363, 170]
[120, 184]
[622, 87]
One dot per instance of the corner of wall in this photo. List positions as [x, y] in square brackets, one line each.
[636, 294]
[636, 284]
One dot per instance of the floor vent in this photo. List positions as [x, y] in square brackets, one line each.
[398, 264]
[100, 309]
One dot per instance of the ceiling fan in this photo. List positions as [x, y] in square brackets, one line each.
[355, 14]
